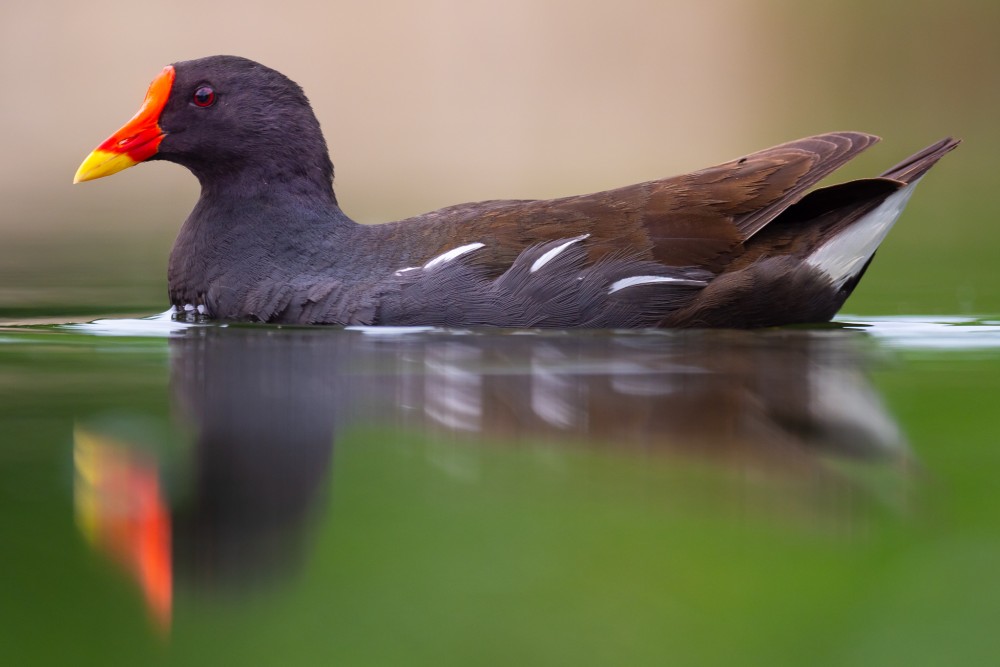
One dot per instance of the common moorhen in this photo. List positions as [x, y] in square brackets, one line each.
[740, 244]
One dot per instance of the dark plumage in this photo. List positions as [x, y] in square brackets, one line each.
[736, 245]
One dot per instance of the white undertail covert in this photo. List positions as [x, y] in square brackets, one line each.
[843, 256]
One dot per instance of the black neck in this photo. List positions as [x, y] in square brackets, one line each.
[306, 181]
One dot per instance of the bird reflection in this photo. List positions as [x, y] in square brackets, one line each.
[265, 407]
[775, 400]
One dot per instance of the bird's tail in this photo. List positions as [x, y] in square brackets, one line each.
[845, 254]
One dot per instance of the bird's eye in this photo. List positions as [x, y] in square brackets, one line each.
[204, 97]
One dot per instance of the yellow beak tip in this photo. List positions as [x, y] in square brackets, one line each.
[102, 163]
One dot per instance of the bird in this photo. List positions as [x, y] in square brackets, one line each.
[744, 244]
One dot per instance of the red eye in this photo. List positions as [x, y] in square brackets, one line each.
[204, 97]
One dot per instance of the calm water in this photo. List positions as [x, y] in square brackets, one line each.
[175, 494]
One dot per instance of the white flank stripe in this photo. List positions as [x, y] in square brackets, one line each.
[843, 256]
[632, 281]
[452, 254]
[407, 269]
[551, 254]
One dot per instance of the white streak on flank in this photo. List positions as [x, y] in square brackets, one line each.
[551, 254]
[452, 254]
[842, 257]
[406, 270]
[633, 281]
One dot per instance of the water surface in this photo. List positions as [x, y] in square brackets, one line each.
[189, 494]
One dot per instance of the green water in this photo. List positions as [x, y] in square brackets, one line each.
[255, 495]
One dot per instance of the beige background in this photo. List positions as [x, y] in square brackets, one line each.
[431, 103]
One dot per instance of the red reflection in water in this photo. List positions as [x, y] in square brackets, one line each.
[121, 511]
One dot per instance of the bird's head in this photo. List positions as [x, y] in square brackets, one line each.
[219, 116]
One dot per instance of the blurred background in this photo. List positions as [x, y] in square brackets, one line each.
[439, 102]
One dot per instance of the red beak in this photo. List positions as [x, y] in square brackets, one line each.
[137, 140]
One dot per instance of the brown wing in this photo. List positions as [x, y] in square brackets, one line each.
[697, 219]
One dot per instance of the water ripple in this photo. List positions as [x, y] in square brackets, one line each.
[917, 332]
[944, 332]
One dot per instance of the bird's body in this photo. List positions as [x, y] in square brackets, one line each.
[741, 244]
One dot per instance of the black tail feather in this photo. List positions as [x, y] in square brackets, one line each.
[917, 164]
